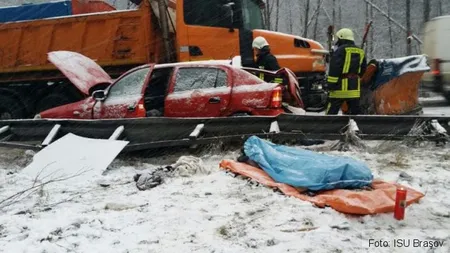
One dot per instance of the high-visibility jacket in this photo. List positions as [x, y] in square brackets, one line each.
[347, 65]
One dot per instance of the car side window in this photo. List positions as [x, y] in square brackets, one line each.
[129, 85]
[199, 78]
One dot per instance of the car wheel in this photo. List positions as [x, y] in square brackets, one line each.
[10, 109]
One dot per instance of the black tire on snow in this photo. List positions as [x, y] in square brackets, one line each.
[10, 108]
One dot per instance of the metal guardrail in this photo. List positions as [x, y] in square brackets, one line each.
[148, 133]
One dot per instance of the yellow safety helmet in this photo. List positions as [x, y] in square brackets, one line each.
[345, 34]
[259, 42]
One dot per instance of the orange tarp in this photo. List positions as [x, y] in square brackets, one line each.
[379, 200]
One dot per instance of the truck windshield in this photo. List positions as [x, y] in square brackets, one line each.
[252, 15]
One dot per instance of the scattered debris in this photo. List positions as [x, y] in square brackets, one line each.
[399, 160]
[405, 175]
[121, 207]
[223, 230]
[299, 230]
[342, 226]
[184, 167]
[349, 138]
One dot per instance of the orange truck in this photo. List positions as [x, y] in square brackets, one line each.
[118, 40]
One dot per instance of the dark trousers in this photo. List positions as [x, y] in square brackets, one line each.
[334, 105]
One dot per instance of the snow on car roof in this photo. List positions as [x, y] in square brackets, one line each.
[210, 62]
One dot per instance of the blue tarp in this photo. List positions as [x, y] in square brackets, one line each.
[307, 169]
[389, 69]
[35, 11]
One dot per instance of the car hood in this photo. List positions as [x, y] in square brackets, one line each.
[82, 71]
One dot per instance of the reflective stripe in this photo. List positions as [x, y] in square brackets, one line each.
[278, 80]
[348, 59]
[348, 53]
[332, 79]
[345, 84]
[328, 107]
[345, 94]
[261, 75]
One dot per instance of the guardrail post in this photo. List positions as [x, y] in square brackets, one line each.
[51, 135]
[197, 131]
[274, 127]
[440, 132]
[4, 129]
[117, 133]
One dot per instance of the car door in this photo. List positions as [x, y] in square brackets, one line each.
[198, 92]
[125, 96]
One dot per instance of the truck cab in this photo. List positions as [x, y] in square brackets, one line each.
[222, 29]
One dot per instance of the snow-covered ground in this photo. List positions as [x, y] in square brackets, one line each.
[217, 212]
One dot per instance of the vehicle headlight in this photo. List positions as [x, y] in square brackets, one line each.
[37, 116]
[318, 63]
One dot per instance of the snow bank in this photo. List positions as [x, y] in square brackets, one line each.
[218, 212]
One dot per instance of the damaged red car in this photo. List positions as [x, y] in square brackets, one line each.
[188, 89]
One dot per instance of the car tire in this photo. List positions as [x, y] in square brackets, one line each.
[10, 108]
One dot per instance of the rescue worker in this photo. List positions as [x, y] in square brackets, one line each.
[347, 65]
[265, 59]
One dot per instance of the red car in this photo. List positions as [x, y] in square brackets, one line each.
[190, 89]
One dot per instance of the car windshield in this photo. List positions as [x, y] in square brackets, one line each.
[252, 15]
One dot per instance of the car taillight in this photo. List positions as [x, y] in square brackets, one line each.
[436, 70]
[276, 98]
[140, 111]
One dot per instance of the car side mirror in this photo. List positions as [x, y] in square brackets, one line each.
[230, 13]
[99, 95]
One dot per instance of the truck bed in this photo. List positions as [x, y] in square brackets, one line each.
[115, 38]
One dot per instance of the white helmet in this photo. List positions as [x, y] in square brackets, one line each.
[259, 42]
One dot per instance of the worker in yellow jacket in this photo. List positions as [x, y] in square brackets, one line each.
[347, 65]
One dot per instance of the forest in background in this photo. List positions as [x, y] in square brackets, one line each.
[311, 18]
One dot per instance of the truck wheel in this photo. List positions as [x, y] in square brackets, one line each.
[10, 109]
[51, 101]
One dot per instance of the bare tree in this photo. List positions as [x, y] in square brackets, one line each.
[267, 14]
[340, 15]
[305, 29]
[371, 48]
[277, 16]
[317, 20]
[291, 23]
[408, 25]
[426, 10]
[334, 12]
[390, 28]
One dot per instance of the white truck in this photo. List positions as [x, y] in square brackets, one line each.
[437, 47]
